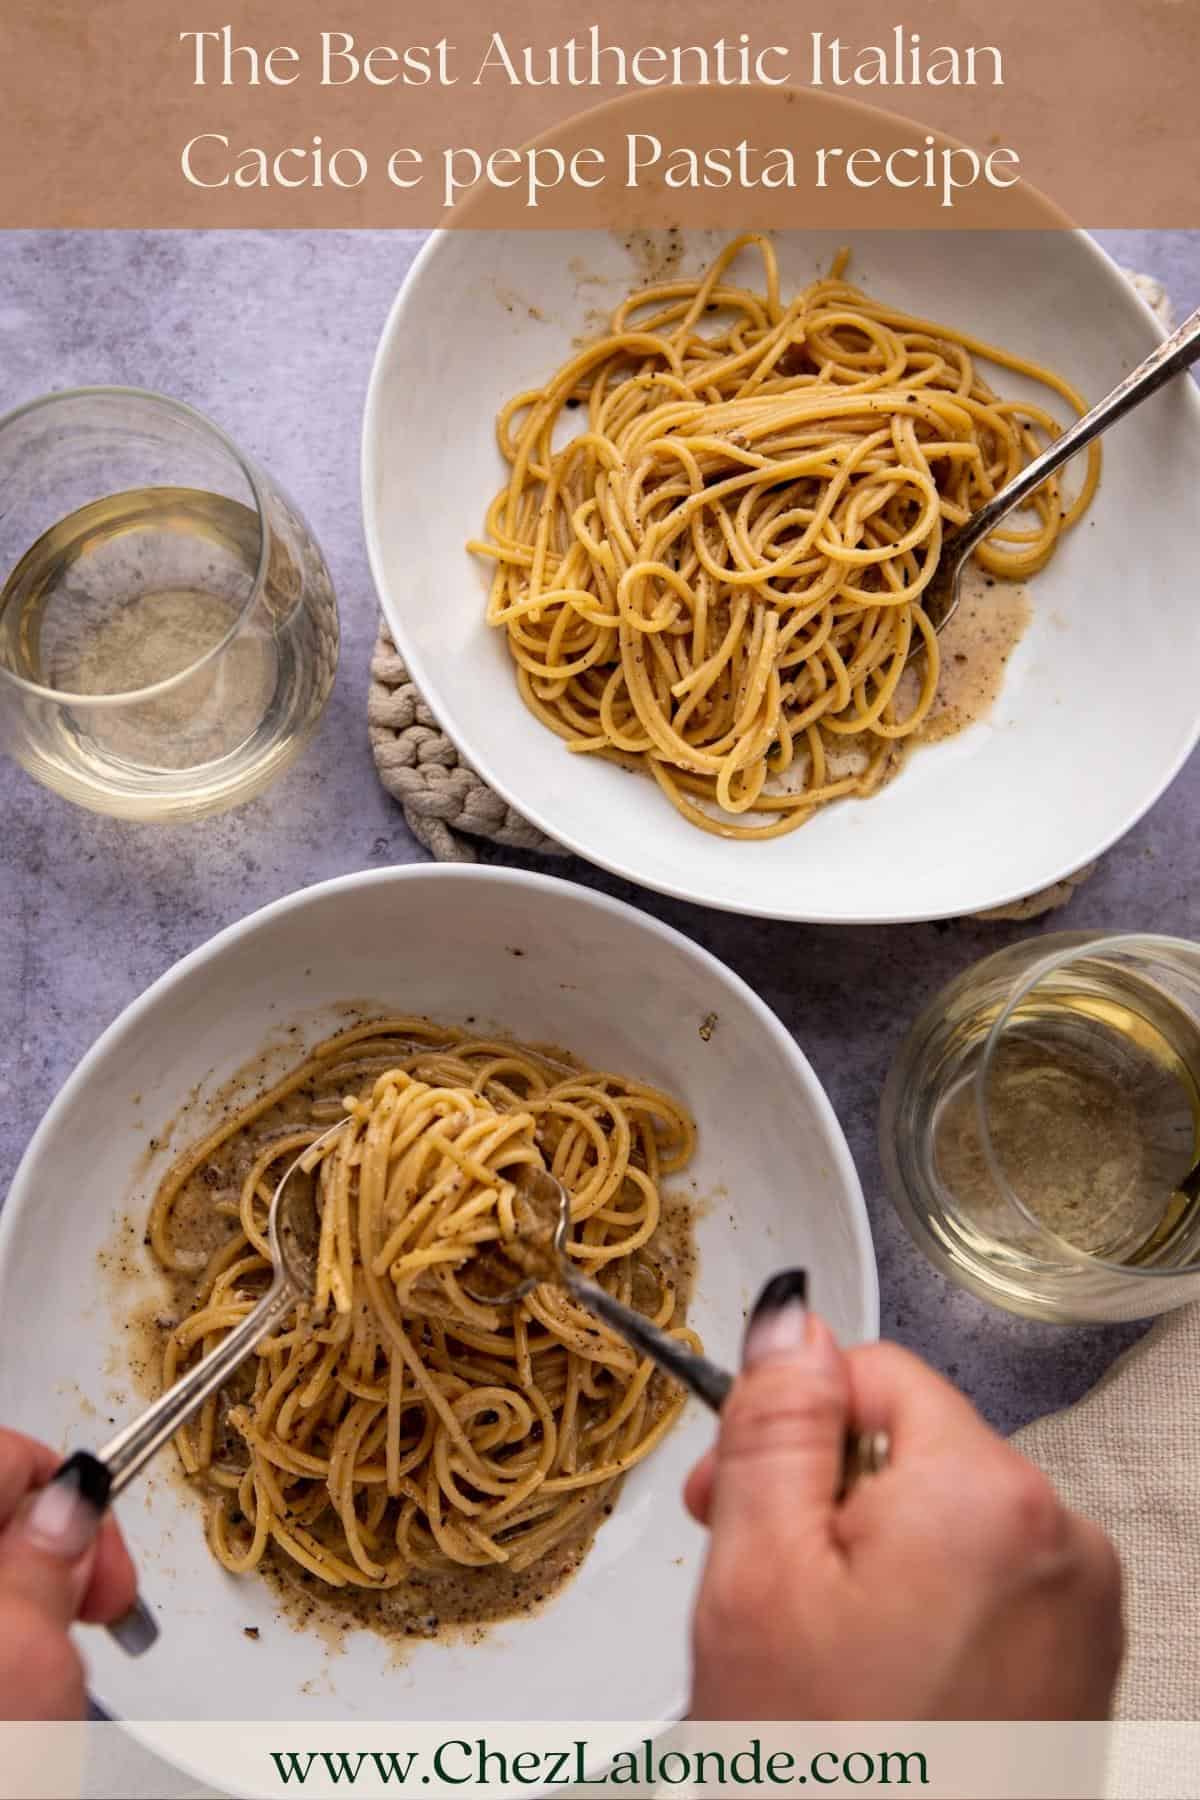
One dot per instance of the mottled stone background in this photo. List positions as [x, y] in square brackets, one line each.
[272, 334]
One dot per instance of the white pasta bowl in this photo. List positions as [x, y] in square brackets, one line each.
[546, 962]
[1101, 700]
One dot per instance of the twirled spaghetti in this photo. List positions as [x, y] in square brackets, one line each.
[717, 578]
[395, 1429]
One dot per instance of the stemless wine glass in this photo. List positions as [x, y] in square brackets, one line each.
[168, 627]
[1040, 1128]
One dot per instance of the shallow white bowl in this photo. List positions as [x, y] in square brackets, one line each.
[772, 1171]
[1101, 701]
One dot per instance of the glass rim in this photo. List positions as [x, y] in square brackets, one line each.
[136, 696]
[1100, 942]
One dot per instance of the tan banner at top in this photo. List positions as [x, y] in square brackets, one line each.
[195, 113]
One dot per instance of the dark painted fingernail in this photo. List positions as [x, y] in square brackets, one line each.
[135, 1631]
[776, 1326]
[87, 1473]
[64, 1517]
[788, 1288]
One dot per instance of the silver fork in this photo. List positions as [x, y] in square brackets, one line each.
[866, 1452]
[1179, 351]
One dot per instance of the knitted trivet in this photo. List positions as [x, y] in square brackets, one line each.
[446, 804]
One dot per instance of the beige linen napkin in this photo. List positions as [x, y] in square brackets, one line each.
[1128, 1456]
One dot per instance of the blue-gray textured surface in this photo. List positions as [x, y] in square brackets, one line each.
[272, 334]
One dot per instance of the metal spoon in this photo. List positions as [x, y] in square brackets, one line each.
[293, 1230]
[866, 1452]
[940, 599]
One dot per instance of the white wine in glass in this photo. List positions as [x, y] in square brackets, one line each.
[168, 627]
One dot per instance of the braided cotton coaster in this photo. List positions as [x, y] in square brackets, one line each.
[447, 805]
[445, 802]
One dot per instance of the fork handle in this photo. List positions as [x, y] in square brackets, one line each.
[1165, 361]
[698, 1375]
[865, 1453]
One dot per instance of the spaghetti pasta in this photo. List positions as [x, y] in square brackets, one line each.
[717, 578]
[394, 1426]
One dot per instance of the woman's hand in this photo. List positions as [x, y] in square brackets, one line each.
[952, 1585]
[60, 1560]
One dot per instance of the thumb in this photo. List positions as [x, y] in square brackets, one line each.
[783, 1429]
[48, 1546]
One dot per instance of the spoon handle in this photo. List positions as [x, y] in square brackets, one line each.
[1166, 360]
[124, 1455]
[99, 1479]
